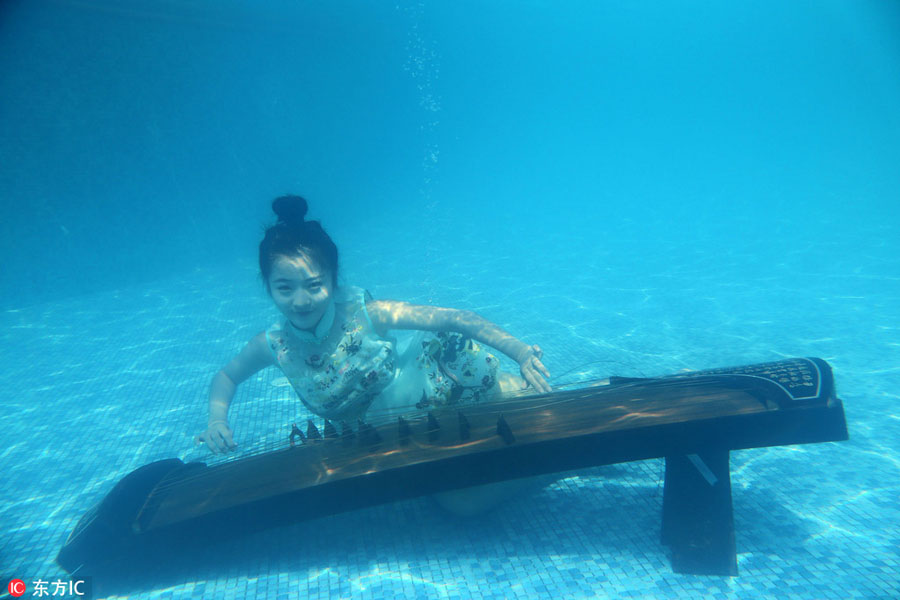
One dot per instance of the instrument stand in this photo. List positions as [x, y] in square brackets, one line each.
[697, 517]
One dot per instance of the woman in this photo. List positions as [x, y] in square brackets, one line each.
[335, 348]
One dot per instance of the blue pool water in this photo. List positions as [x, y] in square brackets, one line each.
[638, 189]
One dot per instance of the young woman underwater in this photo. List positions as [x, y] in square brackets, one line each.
[335, 348]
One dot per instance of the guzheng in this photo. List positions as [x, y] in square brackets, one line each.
[693, 420]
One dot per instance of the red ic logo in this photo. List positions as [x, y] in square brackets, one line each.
[16, 588]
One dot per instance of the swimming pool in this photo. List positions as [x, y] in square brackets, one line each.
[105, 383]
[639, 190]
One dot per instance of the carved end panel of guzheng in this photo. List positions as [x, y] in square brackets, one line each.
[800, 381]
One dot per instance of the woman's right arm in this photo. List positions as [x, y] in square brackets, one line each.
[254, 357]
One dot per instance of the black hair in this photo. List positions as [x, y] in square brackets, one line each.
[293, 235]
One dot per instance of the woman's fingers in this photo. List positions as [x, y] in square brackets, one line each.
[212, 440]
[217, 440]
[203, 438]
[533, 371]
[540, 367]
[541, 384]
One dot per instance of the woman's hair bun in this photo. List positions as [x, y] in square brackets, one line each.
[290, 209]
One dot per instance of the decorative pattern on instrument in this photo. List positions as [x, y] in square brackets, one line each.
[800, 378]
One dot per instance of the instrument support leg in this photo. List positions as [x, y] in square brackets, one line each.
[697, 518]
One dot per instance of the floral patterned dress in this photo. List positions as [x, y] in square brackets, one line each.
[344, 367]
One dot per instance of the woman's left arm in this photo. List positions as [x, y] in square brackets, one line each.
[389, 314]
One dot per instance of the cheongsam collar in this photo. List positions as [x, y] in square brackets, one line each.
[322, 328]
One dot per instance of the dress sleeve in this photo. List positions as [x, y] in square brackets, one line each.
[362, 296]
[273, 337]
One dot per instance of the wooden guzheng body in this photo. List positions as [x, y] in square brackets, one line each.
[693, 420]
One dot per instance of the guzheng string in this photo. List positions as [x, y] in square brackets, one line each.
[585, 370]
[377, 418]
[214, 468]
[339, 455]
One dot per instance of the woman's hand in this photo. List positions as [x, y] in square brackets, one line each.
[533, 370]
[218, 437]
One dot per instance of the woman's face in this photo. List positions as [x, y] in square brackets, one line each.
[301, 290]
